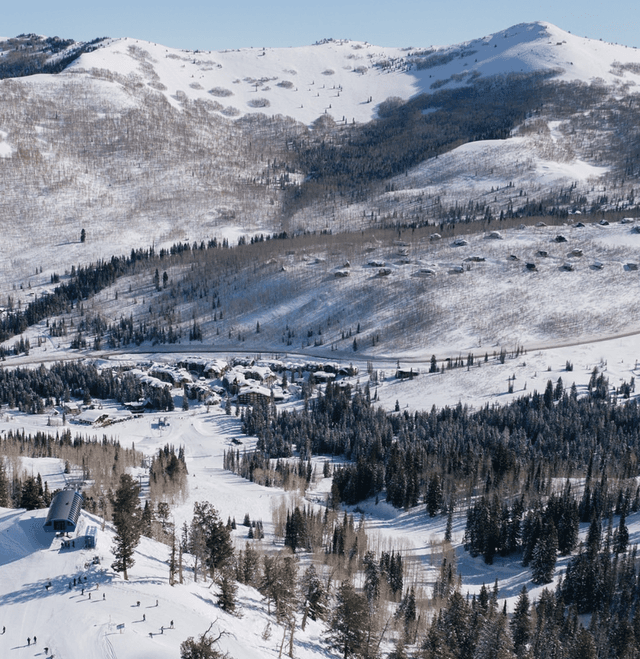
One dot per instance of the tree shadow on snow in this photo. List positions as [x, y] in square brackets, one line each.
[59, 586]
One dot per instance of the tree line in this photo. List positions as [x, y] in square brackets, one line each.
[33, 390]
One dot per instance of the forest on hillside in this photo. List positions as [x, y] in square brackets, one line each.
[525, 475]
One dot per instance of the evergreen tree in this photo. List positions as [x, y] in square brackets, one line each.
[371, 579]
[594, 536]
[544, 558]
[494, 640]
[127, 516]
[433, 498]
[457, 626]
[146, 520]
[521, 623]
[583, 646]
[349, 621]
[295, 530]
[31, 494]
[249, 566]
[621, 538]
[434, 645]
[5, 499]
[406, 612]
[228, 590]
[215, 534]
[314, 596]
[568, 527]
[449, 528]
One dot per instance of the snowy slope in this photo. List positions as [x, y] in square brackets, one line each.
[77, 624]
[350, 79]
[119, 178]
[99, 616]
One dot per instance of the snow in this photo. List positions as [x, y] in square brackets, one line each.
[339, 77]
[478, 312]
[31, 558]
[121, 74]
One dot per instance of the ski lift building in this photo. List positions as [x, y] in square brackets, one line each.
[90, 537]
[64, 512]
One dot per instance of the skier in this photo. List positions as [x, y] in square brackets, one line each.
[29, 640]
[144, 617]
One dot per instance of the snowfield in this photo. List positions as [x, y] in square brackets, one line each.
[473, 293]
[101, 615]
[349, 79]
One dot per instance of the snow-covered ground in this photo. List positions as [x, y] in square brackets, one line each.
[134, 187]
[105, 619]
[350, 79]
[557, 316]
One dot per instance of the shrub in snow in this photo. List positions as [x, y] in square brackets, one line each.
[220, 91]
[258, 103]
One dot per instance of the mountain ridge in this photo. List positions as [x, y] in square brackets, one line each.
[340, 72]
[141, 144]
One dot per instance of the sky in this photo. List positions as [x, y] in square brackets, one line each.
[214, 25]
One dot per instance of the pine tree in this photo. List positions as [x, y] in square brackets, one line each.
[449, 528]
[228, 590]
[314, 596]
[349, 622]
[584, 646]
[4, 486]
[371, 579]
[621, 538]
[406, 612]
[295, 530]
[521, 622]
[215, 534]
[434, 645]
[568, 527]
[458, 625]
[147, 520]
[544, 558]
[433, 498]
[594, 536]
[249, 565]
[31, 495]
[127, 516]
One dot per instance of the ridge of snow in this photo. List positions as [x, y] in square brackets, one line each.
[349, 79]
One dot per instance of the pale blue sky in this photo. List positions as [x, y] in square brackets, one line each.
[214, 25]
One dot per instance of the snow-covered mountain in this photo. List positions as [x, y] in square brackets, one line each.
[350, 79]
[140, 144]
[135, 144]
